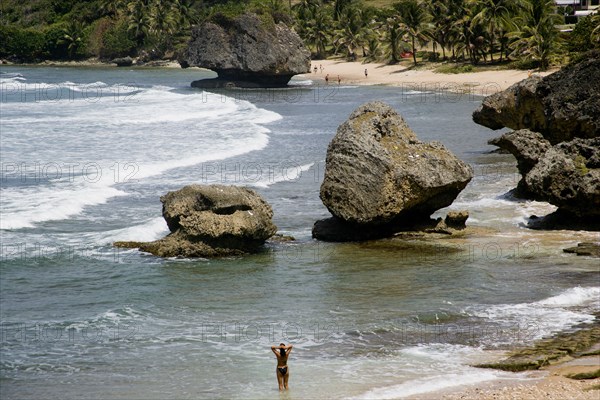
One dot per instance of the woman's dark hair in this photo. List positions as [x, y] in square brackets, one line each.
[282, 351]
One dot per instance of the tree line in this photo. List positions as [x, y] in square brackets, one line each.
[461, 30]
[472, 31]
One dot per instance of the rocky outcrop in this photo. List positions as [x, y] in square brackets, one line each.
[123, 61]
[246, 51]
[212, 221]
[560, 106]
[585, 249]
[568, 176]
[380, 178]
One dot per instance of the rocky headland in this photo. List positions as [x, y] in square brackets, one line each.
[557, 141]
[211, 221]
[246, 51]
[380, 179]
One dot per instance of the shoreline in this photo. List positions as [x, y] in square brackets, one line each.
[543, 370]
[482, 83]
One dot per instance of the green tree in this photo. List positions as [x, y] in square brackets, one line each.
[537, 37]
[72, 37]
[495, 15]
[315, 24]
[414, 17]
[352, 31]
[393, 31]
[442, 23]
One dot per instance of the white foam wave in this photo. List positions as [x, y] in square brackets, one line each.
[573, 297]
[432, 384]
[542, 318]
[148, 231]
[306, 82]
[286, 173]
[22, 209]
[154, 131]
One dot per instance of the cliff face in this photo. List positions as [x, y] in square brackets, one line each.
[561, 106]
[558, 154]
[246, 52]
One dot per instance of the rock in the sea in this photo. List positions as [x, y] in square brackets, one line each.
[568, 176]
[123, 61]
[379, 176]
[212, 221]
[457, 219]
[527, 147]
[247, 51]
[585, 249]
[561, 106]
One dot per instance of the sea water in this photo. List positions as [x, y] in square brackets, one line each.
[86, 154]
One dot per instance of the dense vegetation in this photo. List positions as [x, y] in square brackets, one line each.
[469, 31]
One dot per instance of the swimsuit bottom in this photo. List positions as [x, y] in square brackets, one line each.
[282, 371]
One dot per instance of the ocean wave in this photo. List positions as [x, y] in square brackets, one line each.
[148, 134]
[532, 321]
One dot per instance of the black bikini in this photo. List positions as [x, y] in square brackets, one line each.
[282, 371]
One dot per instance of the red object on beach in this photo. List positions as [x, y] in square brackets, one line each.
[407, 54]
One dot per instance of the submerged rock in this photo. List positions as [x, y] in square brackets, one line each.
[380, 177]
[560, 106]
[585, 249]
[212, 221]
[246, 51]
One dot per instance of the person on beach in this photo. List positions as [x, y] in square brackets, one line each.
[339, 80]
[315, 69]
[321, 67]
[327, 79]
[366, 74]
[282, 352]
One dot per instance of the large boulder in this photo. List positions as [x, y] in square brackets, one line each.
[247, 51]
[527, 147]
[560, 106]
[568, 176]
[380, 177]
[212, 221]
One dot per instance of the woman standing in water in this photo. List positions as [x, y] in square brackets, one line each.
[282, 353]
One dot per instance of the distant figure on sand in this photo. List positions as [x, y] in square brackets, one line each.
[339, 80]
[366, 74]
[315, 69]
[282, 353]
[327, 79]
[321, 67]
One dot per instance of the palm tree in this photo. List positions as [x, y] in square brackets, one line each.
[317, 30]
[414, 17]
[392, 30]
[538, 37]
[72, 37]
[443, 23]
[137, 21]
[351, 31]
[494, 14]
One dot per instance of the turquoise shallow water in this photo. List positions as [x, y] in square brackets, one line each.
[86, 153]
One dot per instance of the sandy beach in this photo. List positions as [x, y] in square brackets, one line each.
[550, 383]
[477, 83]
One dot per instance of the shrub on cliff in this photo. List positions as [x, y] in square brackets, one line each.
[21, 44]
[116, 42]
